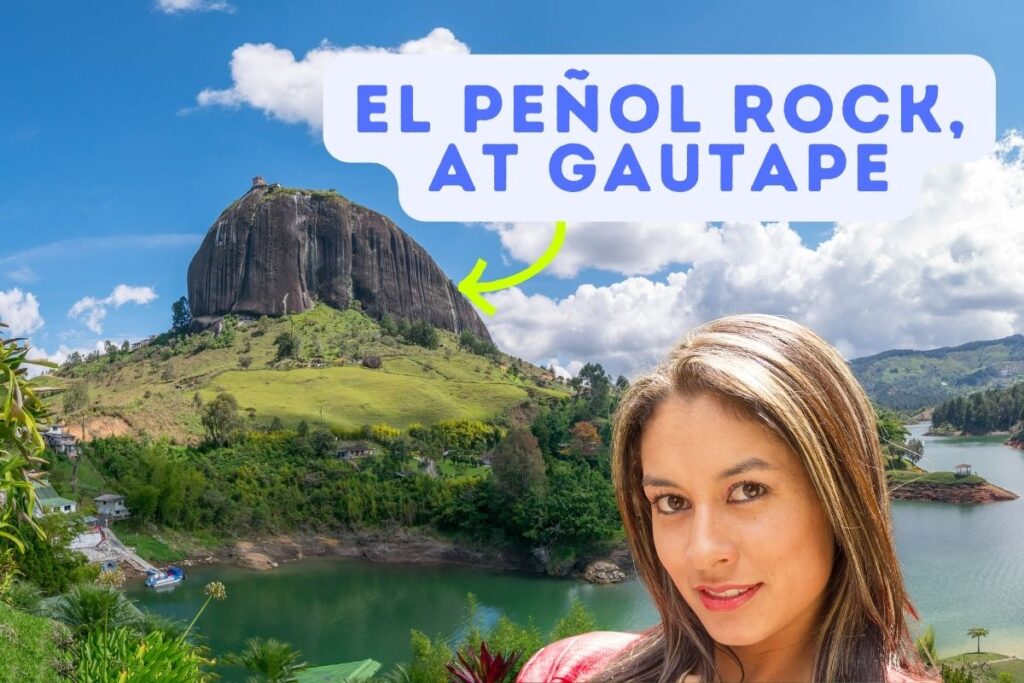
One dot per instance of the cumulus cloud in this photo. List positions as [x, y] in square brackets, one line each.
[93, 311]
[175, 6]
[20, 312]
[271, 79]
[948, 274]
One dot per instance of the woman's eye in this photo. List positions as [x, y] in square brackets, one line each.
[748, 491]
[668, 505]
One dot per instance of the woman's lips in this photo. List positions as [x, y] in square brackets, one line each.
[725, 604]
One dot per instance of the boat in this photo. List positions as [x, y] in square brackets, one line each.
[157, 578]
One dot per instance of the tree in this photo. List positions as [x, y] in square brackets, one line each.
[48, 562]
[890, 426]
[221, 420]
[915, 450]
[422, 334]
[586, 442]
[322, 442]
[275, 661]
[287, 344]
[388, 326]
[76, 397]
[593, 385]
[517, 463]
[181, 316]
[978, 633]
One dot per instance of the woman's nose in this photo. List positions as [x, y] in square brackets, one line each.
[711, 540]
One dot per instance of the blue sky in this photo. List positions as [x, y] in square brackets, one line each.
[111, 173]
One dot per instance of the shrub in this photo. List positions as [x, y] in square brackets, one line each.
[288, 345]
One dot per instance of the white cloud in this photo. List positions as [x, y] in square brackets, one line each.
[175, 6]
[20, 312]
[948, 274]
[271, 79]
[94, 310]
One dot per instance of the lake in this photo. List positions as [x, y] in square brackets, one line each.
[963, 564]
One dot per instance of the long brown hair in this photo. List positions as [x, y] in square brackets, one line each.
[788, 378]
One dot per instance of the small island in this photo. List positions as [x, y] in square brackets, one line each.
[908, 481]
[944, 487]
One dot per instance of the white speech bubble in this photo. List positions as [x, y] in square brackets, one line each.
[645, 109]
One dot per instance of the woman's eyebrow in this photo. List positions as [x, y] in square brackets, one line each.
[746, 466]
[739, 468]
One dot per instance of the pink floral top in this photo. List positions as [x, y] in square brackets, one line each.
[573, 660]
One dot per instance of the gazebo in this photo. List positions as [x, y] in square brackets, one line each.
[963, 470]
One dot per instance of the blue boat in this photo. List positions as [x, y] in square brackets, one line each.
[168, 577]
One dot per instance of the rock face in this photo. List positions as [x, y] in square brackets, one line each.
[276, 251]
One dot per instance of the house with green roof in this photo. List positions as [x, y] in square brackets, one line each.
[347, 672]
[48, 501]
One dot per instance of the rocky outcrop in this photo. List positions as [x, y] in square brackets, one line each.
[604, 572]
[398, 546]
[951, 493]
[276, 251]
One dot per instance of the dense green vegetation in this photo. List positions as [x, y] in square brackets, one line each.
[1000, 409]
[913, 380]
[283, 480]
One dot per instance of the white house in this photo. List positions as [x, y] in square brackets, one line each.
[48, 501]
[110, 506]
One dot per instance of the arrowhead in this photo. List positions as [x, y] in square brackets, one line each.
[470, 288]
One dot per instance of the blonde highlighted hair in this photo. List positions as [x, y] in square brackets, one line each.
[789, 379]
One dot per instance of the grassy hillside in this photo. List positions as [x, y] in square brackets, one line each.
[914, 380]
[153, 388]
[30, 647]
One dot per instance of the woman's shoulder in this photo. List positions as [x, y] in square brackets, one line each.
[570, 659]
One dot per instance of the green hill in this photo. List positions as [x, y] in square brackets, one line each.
[914, 380]
[153, 388]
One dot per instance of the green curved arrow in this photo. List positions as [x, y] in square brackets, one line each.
[473, 288]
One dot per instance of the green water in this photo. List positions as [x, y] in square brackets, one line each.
[964, 566]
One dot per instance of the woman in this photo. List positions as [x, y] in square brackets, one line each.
[750, 481]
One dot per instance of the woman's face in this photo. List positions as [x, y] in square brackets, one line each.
[734, 512]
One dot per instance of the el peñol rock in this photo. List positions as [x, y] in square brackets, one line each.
[277, 250]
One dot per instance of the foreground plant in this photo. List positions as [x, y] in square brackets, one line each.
[121, 656]
[482, 667]
[274, 660]
[21, 411]
[89, 608]
[112, 650]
